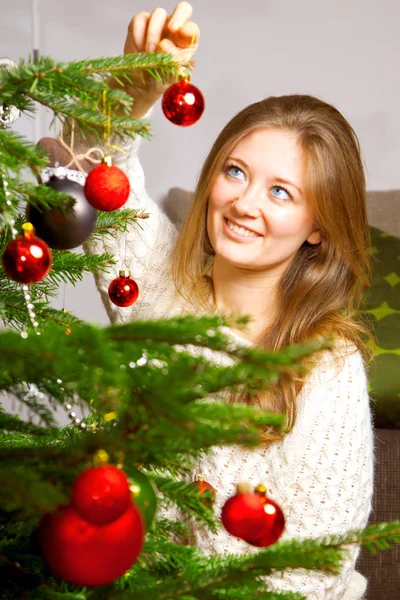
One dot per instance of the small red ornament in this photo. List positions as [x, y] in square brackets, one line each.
[86, 554]
[123, 290]
[206, 490]
[101, 494]
[253, 517]
[107, 187]
[27, 259]
[183, 103]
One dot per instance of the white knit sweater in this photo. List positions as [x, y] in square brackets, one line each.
[321, 473]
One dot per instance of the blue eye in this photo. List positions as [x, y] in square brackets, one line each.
[280, 192]
[235, 172]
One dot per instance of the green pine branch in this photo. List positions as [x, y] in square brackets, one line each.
[14, 424]
[187, 498]
[42, 196]
[75, 90]
[17, 153]
[71, 267]
[108, 223]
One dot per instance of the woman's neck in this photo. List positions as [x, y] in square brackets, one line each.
[243, 292]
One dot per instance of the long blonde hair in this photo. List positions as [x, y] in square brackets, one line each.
[321, 290]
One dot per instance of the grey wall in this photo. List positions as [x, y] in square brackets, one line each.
[343, 51]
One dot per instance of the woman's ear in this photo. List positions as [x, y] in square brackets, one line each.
[315, 237]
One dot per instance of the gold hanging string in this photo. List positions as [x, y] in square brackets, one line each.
[107, 129]
[94, 155]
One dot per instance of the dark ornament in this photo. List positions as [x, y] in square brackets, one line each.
[63, 231]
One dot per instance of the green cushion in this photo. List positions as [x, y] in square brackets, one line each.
[383, 306]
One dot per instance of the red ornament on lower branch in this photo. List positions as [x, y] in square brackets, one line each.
[183, 103]
[107, 187]
[123, 290]
[87, 554]
[253, 517]
[27, 259]
[205, 490]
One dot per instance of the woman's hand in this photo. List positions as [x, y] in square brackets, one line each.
[173, 34]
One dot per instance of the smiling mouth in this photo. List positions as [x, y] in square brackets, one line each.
[242, 231]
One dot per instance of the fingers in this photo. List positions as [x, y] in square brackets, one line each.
[137, 29]
[148, 32]
[180, 16]
[176, 27]
[188, 36]
[155, 28]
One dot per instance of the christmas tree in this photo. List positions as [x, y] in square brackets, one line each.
[102, 508]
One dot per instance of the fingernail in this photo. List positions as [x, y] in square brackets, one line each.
[151, 47]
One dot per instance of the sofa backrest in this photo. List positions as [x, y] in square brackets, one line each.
[384, 210]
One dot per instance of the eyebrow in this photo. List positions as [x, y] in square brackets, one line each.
[277, 179]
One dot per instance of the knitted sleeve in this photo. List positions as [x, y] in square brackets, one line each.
[321, 475]
[145, 250]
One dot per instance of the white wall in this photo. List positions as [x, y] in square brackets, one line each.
[343, 51]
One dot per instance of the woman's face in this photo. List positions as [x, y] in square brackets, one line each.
[258, 216]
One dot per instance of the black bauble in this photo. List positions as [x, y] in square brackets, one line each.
[64, 231]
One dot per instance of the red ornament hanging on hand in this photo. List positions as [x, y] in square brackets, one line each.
[183, 103]
[107, 187]
[123, 290]
[27, 259]
[101, 494]
[87, 554]
[253, 517]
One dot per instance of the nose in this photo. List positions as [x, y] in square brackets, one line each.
[249, 202]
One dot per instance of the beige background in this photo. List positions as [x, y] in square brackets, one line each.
[343, 51]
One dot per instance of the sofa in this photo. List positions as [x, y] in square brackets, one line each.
[383, 304]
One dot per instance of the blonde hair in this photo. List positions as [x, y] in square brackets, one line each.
[321, 290]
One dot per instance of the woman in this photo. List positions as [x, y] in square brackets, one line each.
[276, 230]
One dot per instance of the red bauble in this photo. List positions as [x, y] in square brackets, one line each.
[101, 494]
[107, 187]
[86, 554]
[206, 490]
[183, 103]
[253, 517]
[123, 290]
[27, 259]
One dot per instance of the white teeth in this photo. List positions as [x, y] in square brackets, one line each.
[241, 230]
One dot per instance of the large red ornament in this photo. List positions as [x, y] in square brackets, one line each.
[253, 517]
[107, 187]
[27, 259]
[123, 290]
[90, 555]
[101, 494]
[206, 490]
[183, 103]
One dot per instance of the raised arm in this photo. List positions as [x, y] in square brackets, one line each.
[320, 474]
[145, 249]
[173, 34]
